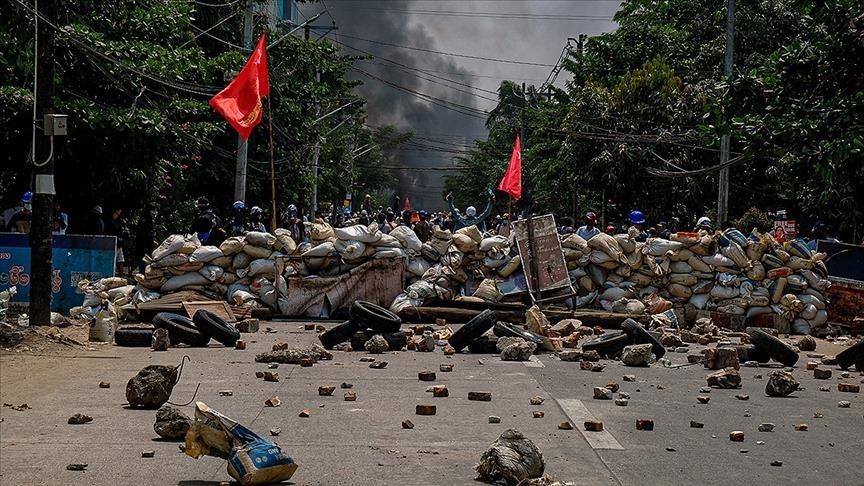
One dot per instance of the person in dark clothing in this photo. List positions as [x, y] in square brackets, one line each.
[471, 217]
[117, 226]
[20, 220]
[94, 224]
[423, 229]
[237, 225]
[145, 235]
[364, 218]
[206, 224]
[293, 223]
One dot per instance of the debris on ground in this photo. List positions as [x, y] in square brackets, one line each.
[376, 344]
[780, 384]
[636, 355]
[294, 355]
[520, 350]
[18, 408]
[161, 341]
[171, 423]
[76, 467]
[149, 453]
[79, 419]
[152, 386]
[104, 384]
[510, 460]
[725, 378]
[273, 401]
[407, 424]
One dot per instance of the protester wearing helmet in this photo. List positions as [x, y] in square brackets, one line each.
[704, 223]
[237, 225]
[589, 229]
[610, 230]
[293, 223]
[471, 217]
[255, 223]
[364, 217]
[206, 224]
[637, 221]
[422, 228]
[19, 221]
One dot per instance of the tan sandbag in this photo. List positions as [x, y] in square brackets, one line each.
[388, 241]
[575, 242]
[257, 252]
[608, 245]
[188, 267]
[798, 263]
[759, 301]
[782, 254]
[684, 279]
[320, 233]
[628, 245]
[572, 254]
[453, 258]
[507, 269]
[472, 232]
[171, 260]
[687, 239]
[778, 289]
[698, 265]
[640, 280]
[756, 272]
[620, 270]
[616, 278]
[441, 241]
[241, 260]
[680, 267]
[150, 283]
[464, 242]
[704, 246]
[228, 278]
[679, 291]
[488, 291]
[681, 255]
[190, 244]
[634, 260]
[284, 241]
[587, 284]
[172, 244]
[233, 245]
[628, 306]
[702, 286]
[659, 246]
[791, 302]
[737, 255]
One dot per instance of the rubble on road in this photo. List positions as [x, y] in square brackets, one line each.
[294, 355]
[636, 355]
[79, 419]
[725, 378]
[780, 384]
[510, 460]
[171, 423]
[152, 386]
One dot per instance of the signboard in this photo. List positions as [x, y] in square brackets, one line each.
[785, 230]
[75, 257]
[547, 257]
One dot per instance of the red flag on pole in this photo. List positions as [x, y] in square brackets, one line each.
[407, 204]
[511, 183]
[240, 102]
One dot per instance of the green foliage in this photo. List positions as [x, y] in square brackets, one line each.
[754, 218]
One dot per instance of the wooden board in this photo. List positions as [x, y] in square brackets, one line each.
[547, 257]
[218, 307]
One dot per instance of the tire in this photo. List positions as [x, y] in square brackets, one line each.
[852, 355]
[180, 329]
[134, 336]
[371, 316]
[608, 344]
[750, 352]
[484, 345]
[397, 340]
[337, 334]
[773, 347]
[215, 327]
[359, 338]
[503, 329]
[473, 329]
[641, 336]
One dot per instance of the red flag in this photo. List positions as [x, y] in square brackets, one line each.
[240, 101]
[407, 204]
[511, 183]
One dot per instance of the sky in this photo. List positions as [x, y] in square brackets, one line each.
[444, 104]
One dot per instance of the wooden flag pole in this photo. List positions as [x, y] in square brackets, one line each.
[273, 218]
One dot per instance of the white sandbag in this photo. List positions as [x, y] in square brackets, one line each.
[597, 274]
[359, 232]
[628, 306]
[190, 244]
[472, 232]
[815, 281]
[627, 244]
[320, 233]
[256, 251]
[171, 260]
[758, 310]
[679, 291]
[232, 245]
[721, 292]
[262, 267]
[615, 293]
[402, 302]
[388, 241]
[575, 242]
[407, 238]
[172, 244]
[734, 252]
[718, 260]
[384, 252]
[464, 243]
[488, 291]
[809, 312]
[681, 255]
[659, 246]
[453, 258]
[702, 286]
[684, 279]
[820, 319]
[796, 283]
[185, 280]
[349, 248]
[699, 301]
[496, 241]
[322, 250]
[241, 260]
[494, 263]
[418, 266]
[680, 267]
[509, 268]
[808, 299]
[284, 241]
[212, 272]
[205, 254]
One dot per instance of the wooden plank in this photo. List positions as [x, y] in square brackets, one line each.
[453, 315]
[604, 319]
[218, 307]
[548, 258]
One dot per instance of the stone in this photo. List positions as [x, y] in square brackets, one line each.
[624, 395]
[259, 374]
[440, 391]
[350, 396]
[825, 388]
[681, 349]
[848, 388]
[629, 378]
[346, 386]
[806, 343]
[570, 355]
[844, 404]
[378, 365]
[309, 327]
[160, 341]
[76, 467]
[148, 453]
[766, 427]
[536, 400]
[480, 396]
[367, 359]
[703, 399]
[275, 431]
[247, 325]
[704, 340]
[780, 384]
[306, 362]
[818, 415]
[705, 389]
[720, 358]
[844, 374]
[742, 397]
[445, 368]
[520, 351]
[280, 346]
[426, 375]
[688, 336]
[644, 424]
[326, 390]
[226, 393]
[812, 365]
[240, 344]
[602, 393]
[829, 360]
[376, 344]
[776, 463]
[171, 423]
[305, 413]
[448, 350]
[538, 414]
[736, 436]
[565, 327]
[802, 427]
[820, 374]
[505, 341]
[621, 402]
[760, 442]
[494, 419]
[612, 386]
[425, 409]
[593, 426]
[565, 426]
[591, 355]
[79, 419]
[512, 459]
[671, 340]
[271, 376]
[695, 358]
[636, 355]
[725, 378]
[273, 401]
[696, 425]
[104, 384]
[407, 424]
[152, 386]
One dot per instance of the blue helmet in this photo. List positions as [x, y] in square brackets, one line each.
[239, 205]
[27, 198]
[636, 217]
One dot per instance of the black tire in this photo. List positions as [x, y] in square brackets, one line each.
[775, 348]
[337, 334]
[371, 316]
[484, 345]
[134, 336]
[473, 329]
[359, 338]
[504, 329]
[608, 343]
[397, 340]
[180, 329]
[751, 352]
[852, 355]
[215, 327]
[640, 336]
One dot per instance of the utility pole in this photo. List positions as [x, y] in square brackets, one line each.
[243, 145]
[723, 185]
[317, 151]
[43, 200]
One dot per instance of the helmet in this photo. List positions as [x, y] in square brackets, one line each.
[255, 210]
[704, 222]
[423, 213]
[202, 203]
[364, 213]
[590, 217]
[292, 207]
[471, 211]
[27, 198]
[96, 210]
[636, 217]
[239, 205]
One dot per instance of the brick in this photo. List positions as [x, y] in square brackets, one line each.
[538, 414]
[703, 399]
[822, 374]
[350, 396]
[378, 365]
[426, 375]
[407, 424]
[736, 436]
[440, 391]
[480, 396]
[270, 376]
[445, 368]
[802, 427]
[306, 362]
[812, 365]
[326, 391]
[273, 401]
[426, 409]
[494, 419]
[565, 426]
[644, 424]
[247, 325]
[240, 344]
[305, 413]
[848, 388]
[593, 425]
[696, 425]
[612, 386]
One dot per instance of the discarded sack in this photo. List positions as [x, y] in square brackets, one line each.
[511, 459]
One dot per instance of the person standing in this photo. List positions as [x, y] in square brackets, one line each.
[637, 221]
[19, 221]
[423, 229]
[206, 224]
[117, 226]
[471, 217]
[255, 220]
[60, 221]
[589, 229]
[94, 224]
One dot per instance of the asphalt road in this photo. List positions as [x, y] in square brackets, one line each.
[362, 442]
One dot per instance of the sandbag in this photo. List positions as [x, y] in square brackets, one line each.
[698, 265]
[321, 250]
[634, 260]
[359, 232]
[186, 267]
[628, 306]
[679, 291]
[608, 245]
[407, 237]
[797, 263]
[572, 255]
[260, 239]
[615, 293]
[185, 280]
[686, 239]
[472, 232]
[798, 248]
[821, 318]
[639, 280]
[704, 246]
[241, 260]
[170, 245]
[417, 266]
[659, 246]
[628, 245]
[205, 254]
[702, 286]
[510, 267]
[699, 301]
[429, 253]
[151, 283]
[212, 272]
[587, 284]
[808, 299]
[758, 310]
[491, 242]
[385, 252]
[800, 326]
[488, 291]
[808, 312]
[453, 258]
[597, 274]
[680, 267]
[320, 233]
[756, 271]
[681, 255]
[734, 252]
[718, 260]
[684, 279]
[388, 241]
[721, 292]
[464, 243]
[575, 242]
[262, 267]
[232, 245]
[284, 241]
[737, 237]
[777, 288]
[190, 244]
[349, 248]
[256, 251]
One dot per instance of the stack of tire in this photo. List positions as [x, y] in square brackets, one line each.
[612, 343]
[476, 337]
[195, 332]
[366, 320]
